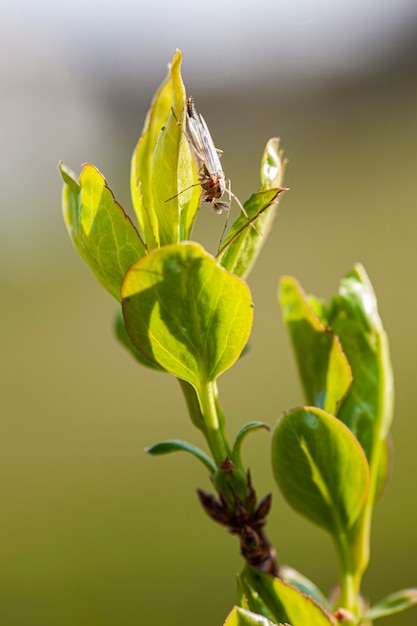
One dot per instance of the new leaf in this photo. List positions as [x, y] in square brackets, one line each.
[186, 313]
[99, 228]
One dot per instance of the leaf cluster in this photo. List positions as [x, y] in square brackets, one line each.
[189, 313]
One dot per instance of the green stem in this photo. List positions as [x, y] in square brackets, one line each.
[213, 423]
[348, 598]
[359, 536]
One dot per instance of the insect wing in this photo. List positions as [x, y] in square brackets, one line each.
[212, 160]
[203, 145]
[196, 137]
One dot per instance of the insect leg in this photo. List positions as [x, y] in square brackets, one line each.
[241, 207]
[183, 191]
[226, 222]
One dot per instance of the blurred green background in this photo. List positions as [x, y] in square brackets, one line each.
[93, 532]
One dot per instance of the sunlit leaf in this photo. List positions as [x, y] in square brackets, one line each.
[394, 603]
[243, 243]
[99, 228]
[175, 190]
[284, 602]
[367, 407]
[323, 367]
[353, 315]
[141, 165]
[273, 165]
[303, 584]
[186, 313]
[320, 468]
[242, 617]
[162, 167]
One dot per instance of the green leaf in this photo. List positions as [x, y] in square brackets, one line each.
[241, 435]
[167, 447]
[353, 315]
[394, 603]
[186, 313]
[243, 243]
[323, 367]
[242, 617]
[241, 598]
[273, 165]
[284, 602]
[193, 404]
[162, 167]
[176, 195]
[303, 584]
[367, 407]
[384, 467]
[141, 164]
[99, 228]
[123, 337]
[250, 599]
[320, 468]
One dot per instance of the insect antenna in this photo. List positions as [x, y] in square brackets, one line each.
[183, 191]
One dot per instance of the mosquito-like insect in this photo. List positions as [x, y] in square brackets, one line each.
[210, 173]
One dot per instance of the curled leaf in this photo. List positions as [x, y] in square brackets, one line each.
[99, 228]
[324, 369]
[241, 435]
[320, 468]
[167, 447]
[273, 165]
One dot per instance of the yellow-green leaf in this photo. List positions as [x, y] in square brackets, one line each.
[320, 468]
[282, 602]
[242, 617]
[99, 228]
[163, 167]
[186, 313]
[244, 242]
[323, 367]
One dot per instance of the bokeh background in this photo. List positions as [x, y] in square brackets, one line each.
[93, 532]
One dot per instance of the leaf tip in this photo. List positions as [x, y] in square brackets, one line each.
[69, 177]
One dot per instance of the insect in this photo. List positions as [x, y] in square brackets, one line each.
[211, 177]
[210, 174]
